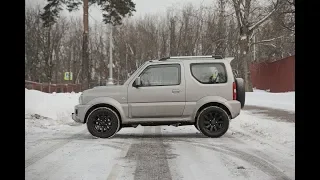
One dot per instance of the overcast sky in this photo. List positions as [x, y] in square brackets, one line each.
[142, 7]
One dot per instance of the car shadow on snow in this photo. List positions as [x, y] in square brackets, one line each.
[173, 135]
[87, 136]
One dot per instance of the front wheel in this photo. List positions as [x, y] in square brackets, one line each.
[213, 122]
[103, 122]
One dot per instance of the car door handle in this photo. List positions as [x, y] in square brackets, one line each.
[175, 90]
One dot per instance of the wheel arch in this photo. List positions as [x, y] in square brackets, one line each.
[105, 102]
[102, 105]
[211, 101]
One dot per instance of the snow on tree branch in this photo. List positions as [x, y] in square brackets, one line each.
[262, 20]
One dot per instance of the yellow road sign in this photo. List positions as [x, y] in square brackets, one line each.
[68, 76]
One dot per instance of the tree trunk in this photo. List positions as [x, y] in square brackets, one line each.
[172, 38]
[245, 63]
[57, 67]
[85, 53]
[74, 61]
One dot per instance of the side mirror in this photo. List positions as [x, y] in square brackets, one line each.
[137, 82]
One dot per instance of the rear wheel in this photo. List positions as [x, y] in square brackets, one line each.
[213, 121]
[103, 122]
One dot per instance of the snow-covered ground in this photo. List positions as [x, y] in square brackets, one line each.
[48, 111]
[255, 146]
[282, 101]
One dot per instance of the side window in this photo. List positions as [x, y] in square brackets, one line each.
[161, 75]
[209, 73]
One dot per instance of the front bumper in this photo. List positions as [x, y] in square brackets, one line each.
[79, 113]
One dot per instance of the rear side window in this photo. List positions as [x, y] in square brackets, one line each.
[209, 73]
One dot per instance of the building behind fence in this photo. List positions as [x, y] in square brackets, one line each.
[277, 76]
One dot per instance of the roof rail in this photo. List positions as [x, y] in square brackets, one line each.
[164, 58]
[187, 57]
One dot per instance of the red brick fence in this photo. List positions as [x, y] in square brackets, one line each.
[49, 88]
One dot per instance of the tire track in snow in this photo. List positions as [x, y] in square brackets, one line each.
[118, 167]
[51, 149]
[150, 156]
[265, 166]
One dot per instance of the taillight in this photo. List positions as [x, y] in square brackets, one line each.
[234, 91]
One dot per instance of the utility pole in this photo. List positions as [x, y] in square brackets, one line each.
[110, 80]
[85, 53]
[254, 47]
[126, 62]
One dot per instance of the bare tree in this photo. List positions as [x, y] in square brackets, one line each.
[247, 23]
[188, 31]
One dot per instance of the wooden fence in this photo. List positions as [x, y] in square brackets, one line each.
[49, 88]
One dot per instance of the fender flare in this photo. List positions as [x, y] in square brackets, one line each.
[106, 101]
[210, 99]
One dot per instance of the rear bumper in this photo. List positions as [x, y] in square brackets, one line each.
[79, 113]
[234, 107]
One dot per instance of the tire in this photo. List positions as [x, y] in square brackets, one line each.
[103, 122]
[241, 92]
[213, 122]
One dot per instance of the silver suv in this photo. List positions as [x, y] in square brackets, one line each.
[184, 90]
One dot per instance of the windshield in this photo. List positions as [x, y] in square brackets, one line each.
[131, 74]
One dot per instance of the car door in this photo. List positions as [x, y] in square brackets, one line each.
[161, 94]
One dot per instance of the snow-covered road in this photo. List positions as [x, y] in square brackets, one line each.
[256, 146]
[162, 152]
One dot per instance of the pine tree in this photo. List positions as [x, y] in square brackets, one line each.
[113, 13]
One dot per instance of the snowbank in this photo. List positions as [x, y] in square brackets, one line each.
[55, 105]
[44, 110]
[283, 101]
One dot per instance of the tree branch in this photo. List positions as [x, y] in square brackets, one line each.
[269, 45]
[262, 20]
[268, 40]
[236, 4]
